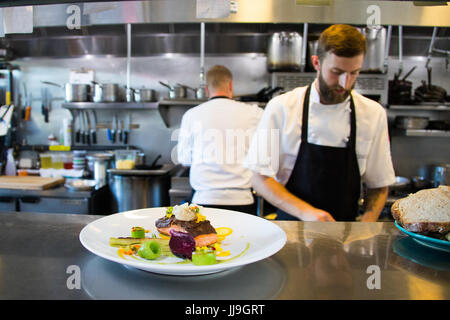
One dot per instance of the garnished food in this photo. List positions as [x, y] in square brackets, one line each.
[204, 256]
[183, 232]
[182, 244]
[137, 232]
[187, 218]
[426, 212]
[150, 250]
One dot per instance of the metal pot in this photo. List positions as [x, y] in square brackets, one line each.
[200, 92]
[137, 189]
[284, 51]
[98, 164]
[409, 122]
[375, 49]
[441, 175]
[401, 183]
[144, 95]
[105, 92]
[176, 92]
[78, 92]
[312, 49]
[420, 182]
[74, 92]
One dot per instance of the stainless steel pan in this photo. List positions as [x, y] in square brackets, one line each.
[74, 92]
[105, 92]
[410, 122]
[176, 92]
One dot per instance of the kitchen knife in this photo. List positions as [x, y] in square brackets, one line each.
[83, 127]
[44, 101]
[77, 127]
[88, 128]
[127, 129]
[119, 129]
[27, 113]
[113, 129]
[94, 127]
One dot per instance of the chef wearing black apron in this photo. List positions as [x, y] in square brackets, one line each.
[326, 177]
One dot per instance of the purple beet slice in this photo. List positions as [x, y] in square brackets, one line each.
[182, 244]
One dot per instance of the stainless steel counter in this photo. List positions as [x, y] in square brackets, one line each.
[40, 256]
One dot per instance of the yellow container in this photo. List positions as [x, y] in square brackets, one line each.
[57, 161]
[46, 160]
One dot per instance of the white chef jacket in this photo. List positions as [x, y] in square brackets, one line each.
[274, 148]
[213, 140]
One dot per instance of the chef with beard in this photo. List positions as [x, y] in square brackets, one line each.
[316, 145]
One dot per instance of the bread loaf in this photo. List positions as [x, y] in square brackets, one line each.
[424, 211]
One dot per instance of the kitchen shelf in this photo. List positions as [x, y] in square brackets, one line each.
[180, 102]
[193, 102]
[423, 107]
[421, 133]
[111, 105]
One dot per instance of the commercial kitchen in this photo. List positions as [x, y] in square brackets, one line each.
[92, 97]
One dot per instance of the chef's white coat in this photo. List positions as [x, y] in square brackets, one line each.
[274, 148]
[213, 140]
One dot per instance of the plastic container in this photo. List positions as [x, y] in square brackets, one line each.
[125, 159]
[46, 160]
[68, 161]
[57, 161]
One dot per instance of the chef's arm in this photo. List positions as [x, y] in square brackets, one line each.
[276, 194]
[375, 200]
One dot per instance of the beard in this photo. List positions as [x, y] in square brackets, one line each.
[328, 95]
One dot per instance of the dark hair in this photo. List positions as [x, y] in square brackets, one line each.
[218, 76]
[342, 40]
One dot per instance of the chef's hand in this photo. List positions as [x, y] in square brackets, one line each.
[317, 215]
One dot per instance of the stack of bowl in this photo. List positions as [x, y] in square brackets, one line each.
[79, 159]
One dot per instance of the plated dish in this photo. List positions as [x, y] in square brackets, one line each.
[430, 242]
[247, 239]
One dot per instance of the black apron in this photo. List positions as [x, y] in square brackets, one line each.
[326, 177]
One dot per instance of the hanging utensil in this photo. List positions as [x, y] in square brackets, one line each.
[94, 127]
[44, 103]
[89, 128]
[114, 129]
[109, 132]
[77, 127]
[127, 129]
[400, 53]
[121, 130]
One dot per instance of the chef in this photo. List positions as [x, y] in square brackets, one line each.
[316, 145]
[214, 139]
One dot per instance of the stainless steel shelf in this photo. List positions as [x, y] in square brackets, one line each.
[423, 107]
[421, 133]
[111, 105]
[180, 102]
[193, 102]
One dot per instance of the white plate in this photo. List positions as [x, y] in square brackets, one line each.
[252, 239]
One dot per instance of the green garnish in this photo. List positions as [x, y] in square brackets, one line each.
[201, 258]
[137, 232]
[150, 250]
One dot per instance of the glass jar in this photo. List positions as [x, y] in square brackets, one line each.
[46, 160]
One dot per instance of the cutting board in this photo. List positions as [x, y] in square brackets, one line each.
[29, 182]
